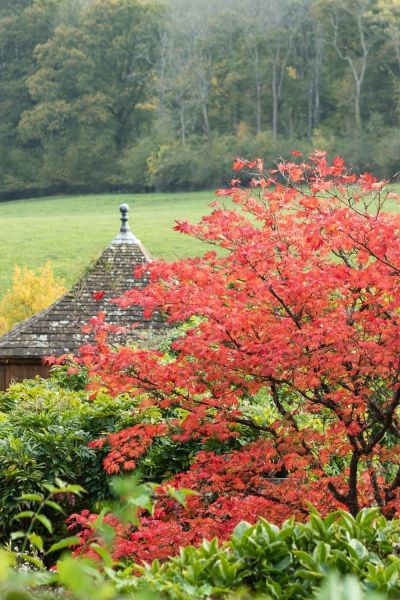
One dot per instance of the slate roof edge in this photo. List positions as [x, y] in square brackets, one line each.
[21, 326]
[8, 337]
[22, 360]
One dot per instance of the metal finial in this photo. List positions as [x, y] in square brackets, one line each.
[125, 235]
[124, 208]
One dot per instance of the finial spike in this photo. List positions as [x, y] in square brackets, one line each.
[125, 235]
[124, 208]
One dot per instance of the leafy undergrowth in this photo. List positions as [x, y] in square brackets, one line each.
[289, 562]
[338, 557]
[45, 432]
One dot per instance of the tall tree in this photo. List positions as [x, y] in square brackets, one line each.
[387, 15]
[352, 39]
[23, 24]
[292, 334]
[93, 77]
[190, 66]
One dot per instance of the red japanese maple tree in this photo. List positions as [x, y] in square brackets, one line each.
[302, 310]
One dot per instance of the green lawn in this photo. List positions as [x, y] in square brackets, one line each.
[72, 231]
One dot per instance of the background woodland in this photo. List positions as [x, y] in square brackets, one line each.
[141, 95]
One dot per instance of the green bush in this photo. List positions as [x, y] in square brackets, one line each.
[45, 432]
[338, 557]
[199, 166]
[335, 558]
[83, 581]
[46, 426]
[291, 562]
[171, 169]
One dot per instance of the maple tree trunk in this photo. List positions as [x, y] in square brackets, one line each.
[352, 502]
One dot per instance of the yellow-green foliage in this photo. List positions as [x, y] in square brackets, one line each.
[30, 293]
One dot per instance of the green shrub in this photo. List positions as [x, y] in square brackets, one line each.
[197, 166]
[336, 558]
[46, 426]
[171, 169]
[291, 562]
[45, 432]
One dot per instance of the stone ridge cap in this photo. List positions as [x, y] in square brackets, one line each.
[129, 246]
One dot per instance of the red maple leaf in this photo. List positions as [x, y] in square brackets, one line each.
[98, 295]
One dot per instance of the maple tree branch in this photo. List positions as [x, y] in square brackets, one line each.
[372, 253]
[374, 483]
[351, 498]
[277, 297]
[253, 425]
[340, 254]
[352, 482]
[336, 494]
[239, 420]
[386, 423]
[285, 307]
[280, 501]
[292, 420]
[393, 428]
[395, 484]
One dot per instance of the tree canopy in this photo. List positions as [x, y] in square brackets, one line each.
[284, 384]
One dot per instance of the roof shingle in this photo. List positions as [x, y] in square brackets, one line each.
[57, 329]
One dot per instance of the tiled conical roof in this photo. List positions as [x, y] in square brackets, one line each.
[57, 330]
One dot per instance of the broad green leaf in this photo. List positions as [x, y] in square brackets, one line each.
[31, 497]
[50, 487]
[36, 540]
[25, 514]
[64, 543]
[45, 522]
[17, 535]
[75, 489]
[103, 553]
[54, 505]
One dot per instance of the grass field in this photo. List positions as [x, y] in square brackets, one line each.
[72, 231]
